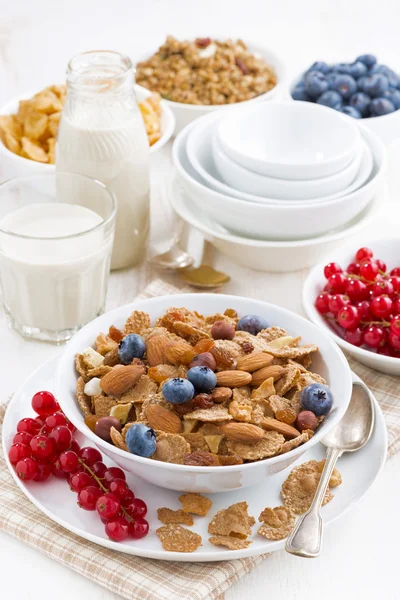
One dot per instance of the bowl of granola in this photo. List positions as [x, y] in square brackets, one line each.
[203, 403]
[198, 76]
[29, 124]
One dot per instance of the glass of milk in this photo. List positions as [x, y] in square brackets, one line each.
[56, 238]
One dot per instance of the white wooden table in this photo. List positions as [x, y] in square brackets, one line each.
[360, 554]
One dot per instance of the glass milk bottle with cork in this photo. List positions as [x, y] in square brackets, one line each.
[102, 135]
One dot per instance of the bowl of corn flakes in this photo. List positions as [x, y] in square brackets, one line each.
[29, 124]
[203, 392]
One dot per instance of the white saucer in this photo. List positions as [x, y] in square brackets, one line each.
[54, 498]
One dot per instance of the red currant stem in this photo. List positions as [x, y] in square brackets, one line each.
[380, 323]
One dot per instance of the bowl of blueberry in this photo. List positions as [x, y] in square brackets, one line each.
[363, 89]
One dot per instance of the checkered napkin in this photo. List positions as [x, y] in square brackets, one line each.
[134, 577]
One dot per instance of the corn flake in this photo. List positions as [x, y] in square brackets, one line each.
[118, 440]
[233, 521]
[175, 538]
[270, 445]
[277, 522]
[295, 442]
[171, 448]
[217, 412]
[103, 405]
[195, 504]
[233, 543]
[167, 515]
[83, 400]
[137, 322]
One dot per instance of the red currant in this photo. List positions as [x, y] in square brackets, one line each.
[331, 269]
[80, 481]
[354, 337]
[395, 271]
[364, 253]
[55, 420]
[381, 306]
[117, 529]
[22, 438]
[353, 269]
[128, 498]
[395, 281]
[27, 468]
[57, 470]
[381, 265]
[374, 336]
[42, 448]
[385, 350]
[364, 310]
[322, 303]
[87, 498]
[17, 452]
[337, 283]
[108, 505]
[396, 306]
[384, 286]
[39, 421]
[99, 468]
[395, 325]
[43, 473]
[394, 341]
[44, 404]
[119, 487]
[348, 317]
[113, 473]
[138, 528]
[369, 271]
[28, 425]
[136, 508]
[337, 302]
[75, 447]
[69, 461]
[62, 437]
[356, 290]
[90, 455]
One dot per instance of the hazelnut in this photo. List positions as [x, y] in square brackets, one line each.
[306, 420]
[203, 401]
[222, 330]
[103, 426]
[221, 394]
[205, 359]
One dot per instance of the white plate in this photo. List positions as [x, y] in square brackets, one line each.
[54, 498]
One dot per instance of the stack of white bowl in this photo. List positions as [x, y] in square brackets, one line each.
[279, 176]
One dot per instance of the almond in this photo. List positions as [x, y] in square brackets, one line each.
[274, 371]
[274, 425]
[246, 433]
[255, 361]
[163, 419]
[221, 394]
[233, 379]
[180, 352]
[120, 379]
[156, 350]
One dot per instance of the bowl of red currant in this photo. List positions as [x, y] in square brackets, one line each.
[355, 296]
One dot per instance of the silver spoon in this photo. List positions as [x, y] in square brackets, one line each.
[349, 435]
[174, 258]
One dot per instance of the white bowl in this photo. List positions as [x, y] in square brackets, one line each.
[281, 221]
[273, 257]
[290, 140]
[386, 249]
[13, 165]
[329, 362]
[186, 113]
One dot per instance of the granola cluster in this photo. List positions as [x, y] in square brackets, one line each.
[254, 411]
[205, 72]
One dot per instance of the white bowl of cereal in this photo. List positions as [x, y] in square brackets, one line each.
[227, 438]
[201, 85]
[37, 159]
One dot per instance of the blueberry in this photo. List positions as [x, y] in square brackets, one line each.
[369, 60]
[394, 96]
[315, 83]
[320, 66]
[299, 93]
[317, 398]
[342, 68]
[375, 85]
[203, 379]
[361, 102]
[331, 78]
[389, 73]
[132, 346]
[358, 69]
[351, 112]
[252, 324]
[345, 85]
[381, 106]
[178, 390]
[360, 82]
[330, 98]
[141, 440]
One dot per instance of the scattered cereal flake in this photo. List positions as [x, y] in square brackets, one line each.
[217, 412]
[291, 352]
[305, 360]
[175, 538]
[83, 400]
[118, 440]
[299, 488]
[271, 333]
[103, 405]
[240, 412]
[81, 367]
[228, 348]
[210, 429]
[308, 378]
[286, 382]
[241, 394]
[195, 504]
[234, 521]
[167, 515]
[171, 448]
[211, 319]
[298, 365]
[233, 543]
[189, 332]
[213, 442]
[281, 403]
[137, 322]
[99, 371]
[270, 445]
[125, 429]
[196, 440]
[297, 441]
[277, 522]
[141, 391]
[259, 410]
[265, 390]
[104, 344]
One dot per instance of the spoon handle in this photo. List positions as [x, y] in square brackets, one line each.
[306, 537]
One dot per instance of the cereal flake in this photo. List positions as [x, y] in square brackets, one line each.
[270, 445]
[167, 516]
[195, 504]
[277, 522]
[233, 543]
[175, 538]
[232, 521]
[171, 448]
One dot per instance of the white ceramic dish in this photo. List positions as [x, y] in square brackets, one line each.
[14, 165]
[186, 113]
[199, 150]
[273, 257]
[329, 362]
[290, 140]
[386, 249]
[56, 501]
[281, 222]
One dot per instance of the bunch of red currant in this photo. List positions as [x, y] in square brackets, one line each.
[362, 303]
[44, 446]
